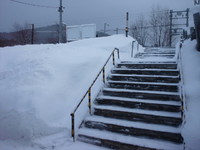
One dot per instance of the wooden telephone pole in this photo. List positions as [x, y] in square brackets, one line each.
[126, 29]
[60, 10]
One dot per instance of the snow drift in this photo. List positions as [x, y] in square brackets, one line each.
[41, 84]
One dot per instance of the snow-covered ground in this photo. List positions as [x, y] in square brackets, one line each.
[191, 75]
[40, 85]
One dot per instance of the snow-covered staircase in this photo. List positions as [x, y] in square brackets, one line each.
[139, 108]
[156, 52]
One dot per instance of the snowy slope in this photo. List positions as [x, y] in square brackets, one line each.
[40, 85]
[191, 74]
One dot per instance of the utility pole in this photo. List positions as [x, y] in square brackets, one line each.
[32, 34]
[187, 17]
[170, 28]
[117, 30]
[105, 24]
[126, 29]
[60, 10]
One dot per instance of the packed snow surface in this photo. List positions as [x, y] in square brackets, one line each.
[191, 74]
[40, 85]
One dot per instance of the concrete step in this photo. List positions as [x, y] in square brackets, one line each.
[155, 117]
[149, 62]
[137, 65]
[140, 94]
[170, 106]
[144, 78]
[160, 52]
[143, 55]
[160, 72]
[150, 86]
[132, 128]
[124, 142]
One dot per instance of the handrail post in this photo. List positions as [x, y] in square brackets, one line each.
[113, 58]
[104, 80]
[118, 53]
[132, 48]
[137, 46]
[89, 100]
[73, 129]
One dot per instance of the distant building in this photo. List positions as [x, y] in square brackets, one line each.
[78, 32]
[49, 34]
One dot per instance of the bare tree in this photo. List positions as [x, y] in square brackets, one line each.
[160, 29]
[22, 34]
[139, 30]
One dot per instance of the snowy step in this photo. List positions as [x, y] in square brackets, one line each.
[147, 126]
[140, 94]
[156, 54]
[173, 103]
[160, 50]
[168, 72]
[144, 78]
[171, 106]
[124, 142]
[143, 86]
[149, 62]
[157, 117]
[148, 65]
[139, 111]
[134, 128]
[142, 55]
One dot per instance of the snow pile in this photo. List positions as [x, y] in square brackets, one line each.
[41, 84]
[195, 9]
[192, 11]
[191, 73]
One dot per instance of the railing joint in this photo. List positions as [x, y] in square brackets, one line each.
[73, 127]
[89, 101]
[104, 80]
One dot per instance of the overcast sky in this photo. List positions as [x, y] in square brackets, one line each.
[99, 12]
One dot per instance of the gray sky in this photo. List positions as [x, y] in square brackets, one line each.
[81, 11]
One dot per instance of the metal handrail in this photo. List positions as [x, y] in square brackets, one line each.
[182, 90]
[88, 92]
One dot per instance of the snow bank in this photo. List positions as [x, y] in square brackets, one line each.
[195, 9]
[41, 84]
[192, 11]
[191, 72]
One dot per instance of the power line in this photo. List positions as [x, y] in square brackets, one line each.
[35, 5]
[114, 17]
